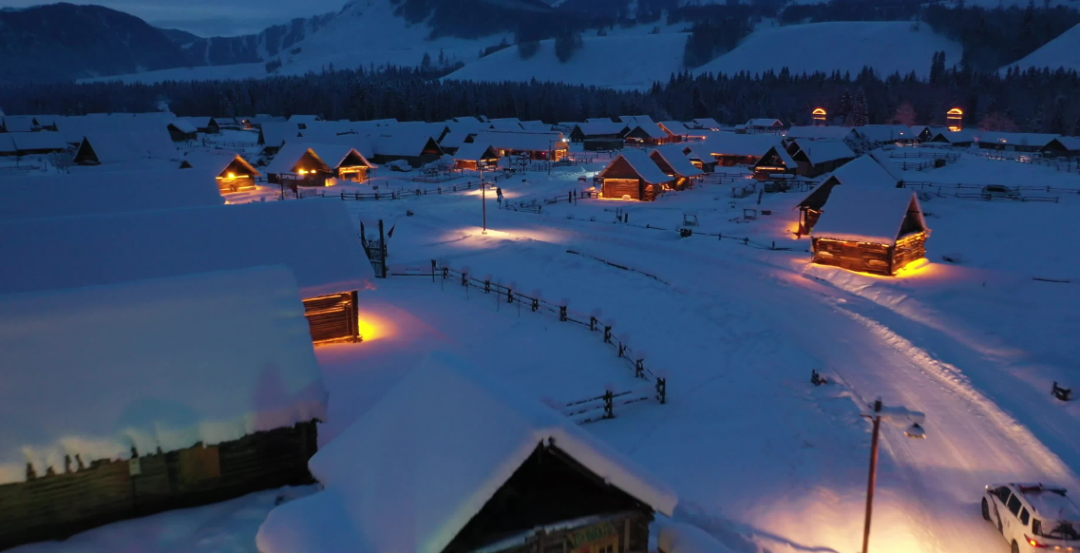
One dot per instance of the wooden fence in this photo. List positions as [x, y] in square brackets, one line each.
[584, 410]
[401, 194]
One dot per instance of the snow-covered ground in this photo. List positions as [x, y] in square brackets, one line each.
[761, 459]
[1063, 51]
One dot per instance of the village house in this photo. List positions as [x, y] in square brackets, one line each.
[674, 163]
[706, 123]
[454, 140]
[124, 147]
[873, 230]
[205, 124]
[600, 136]
[513, 476]
[534, 146]
[1062, 146]
[17, 123]
[506, 124]
[272, 134]
[297, 164]
[876, 135]
[316, 240]
[961, 139]
[65, 195]
[416, 147]
[535, 126]
[776, 161]
[220, 396]
[817, 157]
[182, 130]
[633, 175]
[1013, 141]
[347, 163]
[302, 121]
[36, 143]
[760, 126]
[678, 132]
[699, 156]
[232, 172]
[871, 171]
[848, 135]
[730, 149]
[644, 131]
[923, 133]
[476, 155]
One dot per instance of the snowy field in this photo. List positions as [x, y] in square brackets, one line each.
[761, 459]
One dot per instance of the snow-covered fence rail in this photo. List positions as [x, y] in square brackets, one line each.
[400, 194]
[584, 411]
[689, 232]
[536, 205]
[947, 156]
[938, 186]
[534, 303]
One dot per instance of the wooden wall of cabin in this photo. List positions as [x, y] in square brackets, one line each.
[854, 256]
[618, 188]
[56, 506]
[631, 535]
[911, 248]
[333, 318]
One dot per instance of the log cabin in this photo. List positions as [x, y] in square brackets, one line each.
[182, 130]
[817, 157]
[633, 175]
[1013, 141]
[297, 164]
[476, 155]
[232, 172]
[677, 132]
[109, 148]
[871, 230]
[731, 149]
[764, 126]
[346, 162]
[229, 409]
[608, 129]
[416, 147]
[923, 133]
[961, 139]
[535, 146]
[870, 171]
[648, 133]
[674, 163]
[513, 476]
[776, 161]
[316, 240]
[1062, 146]
[699, 156]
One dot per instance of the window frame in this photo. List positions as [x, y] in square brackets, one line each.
[1019, 505]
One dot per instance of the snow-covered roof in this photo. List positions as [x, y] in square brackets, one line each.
[305, 119]
[535, 126]
[865, 214]
[706, 123]
[650, 128]
[633, 120]
[200, 122]
[731, 144]
[883, 160]
[472, 151]
[599, 120]
[886, 133]
[824, 151]
[468, 119]
[419, 465]
[764, 123]
[153, 364]
[784, 156]
[360, 142]
[45, 120]
[216, 161]
[506, 124]
[291, 154]
[601, 128]
[454, 139]
[85, 251]
[672, 154]
[644, 165]
[7, 144]
[119, 147]
[32, 197]
[819, 133]
[185, 126]
[18, 123]
[675, 127]
[1071, 143]
[334, 154]
[402, 142]
[78, 126]
[44, 140]
[523, 141]
[954, 137]
[864, 171]
[275, 133]
[1015, 138]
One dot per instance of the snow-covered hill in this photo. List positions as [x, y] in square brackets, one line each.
[887, 46]
[615, 61]
[1063, 51]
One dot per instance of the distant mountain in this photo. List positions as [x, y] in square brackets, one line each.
[65, 41]
[180, 37]
[250, 48]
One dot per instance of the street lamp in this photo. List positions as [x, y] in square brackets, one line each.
[911, 422]
[483, 196]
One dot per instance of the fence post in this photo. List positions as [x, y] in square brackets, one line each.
[592, 323]
[433, 270]
[609, 404]
[343, 195]
[607, 334]
[535, 305]
[720, 237]
[509, 296]
[639, 368]
[382, 247]
[445, 273]
[562, 313]
[487, 286]
[661, 390]
[622, 349]
[464, 279]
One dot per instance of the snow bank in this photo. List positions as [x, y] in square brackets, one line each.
[887, 46]
[412, 472]
[686, 538]
[95, 193]
[313, 238]
[152, 364]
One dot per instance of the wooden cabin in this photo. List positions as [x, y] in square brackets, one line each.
[297, 164]
[868, 171]
[700, 157]
[817, 157]
[109, 148]
[540, 146]
[674, 163]
[316, 240]
[232, 172]
[514, 476]
[961, 139]
[648, 134]
[635, 176]
[677, 132]
[346, 162]
[200, 419]
[776, 161]
[764, 125]
[208, 125]
[599, 130]
[476, 155]
[273, 134]
[705, 123]
[182, 130]
[871, 230]
[1062, 146]
[1014, 141]
[414, 146]
[731, 149]
[924, 133]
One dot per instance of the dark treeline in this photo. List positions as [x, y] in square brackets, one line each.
[1037, 101]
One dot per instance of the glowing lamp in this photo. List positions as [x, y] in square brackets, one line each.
[232, 175]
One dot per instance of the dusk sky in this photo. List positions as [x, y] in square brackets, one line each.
[209, 17]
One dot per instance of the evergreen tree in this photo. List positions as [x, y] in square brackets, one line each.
[905, 114]
[846, 106]
[860, 112]
[425, 64]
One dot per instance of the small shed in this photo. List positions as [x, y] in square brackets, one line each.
[297, 164]
[453, 461]
[124, 400]
[415, 146]
[534, 145]
[346, 162]
[1062, 146]
[776, 161]
[962, 139]
[232, 172]
[817, 157]
[634, 175]
[316, 240]
[869, 171]
[182, 130]
[699, 156]
[873, 230]
[476, 155]
[65, 195]
[674, 163]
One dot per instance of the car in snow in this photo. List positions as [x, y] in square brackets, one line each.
[1000, 191]
[1033, 517]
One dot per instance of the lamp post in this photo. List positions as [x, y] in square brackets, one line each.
[483, 197]
[898, 416]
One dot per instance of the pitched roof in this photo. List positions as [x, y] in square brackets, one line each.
[633, 120]
[85, 251]
[387, 490]
[402, 142]
[454, 139]
[105, 192]
[18, 123]
[506, 124]
[1015, 138]
[1071, 143]
[335, 154]
[954, 137]
[866, 214]
[524, 141]
[599, 120]
[535, 126]
[600, 128]
[818, 133]
[706, 123]
[125, 146]
[184, 125]
[472, 151]
[305, 119]
[765, 123]
[33, 141]
[675, 127]
[887, 164]
[782, 153]
[200, 122]
[216, 161]
[886, 133]
[824, 151]
[361, 142]
[645, 167]
[672, 154]
[732, 144]
[864, 171]
[274, 134]
[194, 355]
[289, 156]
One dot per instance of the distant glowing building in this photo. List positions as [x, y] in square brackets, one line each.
[955, 119]
[819, 116]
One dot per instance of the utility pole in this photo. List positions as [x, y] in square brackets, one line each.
[483, 197]
[898, 416]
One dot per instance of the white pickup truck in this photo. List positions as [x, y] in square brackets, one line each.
[1033, 517]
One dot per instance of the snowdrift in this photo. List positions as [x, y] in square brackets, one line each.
[887, 46]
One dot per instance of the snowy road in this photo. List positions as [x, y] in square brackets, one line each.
[928, 490]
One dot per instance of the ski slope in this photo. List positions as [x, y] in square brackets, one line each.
[845, 46]
[627, 61]
[1062, 52]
